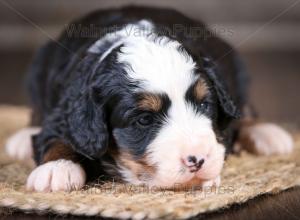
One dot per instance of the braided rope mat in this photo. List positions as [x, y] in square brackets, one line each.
[244, 177]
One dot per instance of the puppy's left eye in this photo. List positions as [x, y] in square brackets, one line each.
[204, 105]
[145, 120]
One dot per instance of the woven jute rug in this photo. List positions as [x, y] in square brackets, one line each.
[245, 176]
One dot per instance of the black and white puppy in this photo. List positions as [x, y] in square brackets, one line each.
[143, 100]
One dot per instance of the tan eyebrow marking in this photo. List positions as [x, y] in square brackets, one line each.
[150, 101]
[200, 89]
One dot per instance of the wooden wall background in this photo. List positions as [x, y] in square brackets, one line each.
[266, 32]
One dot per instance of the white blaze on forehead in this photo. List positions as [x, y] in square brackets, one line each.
[117, 38]
[158, 64]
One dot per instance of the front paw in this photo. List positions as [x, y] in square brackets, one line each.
[59, 175]
[266, 139]
[19, 145]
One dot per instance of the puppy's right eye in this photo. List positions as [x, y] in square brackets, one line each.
[145, 120]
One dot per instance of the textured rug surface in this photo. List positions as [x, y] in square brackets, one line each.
[244, 177]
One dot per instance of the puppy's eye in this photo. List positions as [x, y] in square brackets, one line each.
[204, 105]
[145, 120]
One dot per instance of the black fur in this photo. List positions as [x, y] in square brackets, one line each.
[79, 101]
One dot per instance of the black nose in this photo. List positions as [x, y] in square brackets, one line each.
[192, 159]
[195, 163]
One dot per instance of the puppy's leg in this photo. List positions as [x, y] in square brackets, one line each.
[60, 171]
[264, 138]
[19, 145]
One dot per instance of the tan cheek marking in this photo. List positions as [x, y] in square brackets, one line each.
[140, 168]
[150, 102]
[200, 89]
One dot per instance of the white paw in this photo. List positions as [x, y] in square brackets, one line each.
[19, 145]
[59, 175]
[211, 183]
[267, 139]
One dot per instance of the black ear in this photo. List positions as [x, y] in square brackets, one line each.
[227, 110]
[87, 126]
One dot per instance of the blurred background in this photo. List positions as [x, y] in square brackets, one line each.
[266, 32]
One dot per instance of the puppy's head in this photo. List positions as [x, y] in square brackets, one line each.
[155, 110]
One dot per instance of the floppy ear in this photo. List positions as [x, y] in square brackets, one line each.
[87, 120]
[227, 110]
[87, 125]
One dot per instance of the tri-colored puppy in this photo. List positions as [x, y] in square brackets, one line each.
[142, 101]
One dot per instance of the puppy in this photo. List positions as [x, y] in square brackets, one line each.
[142, 101]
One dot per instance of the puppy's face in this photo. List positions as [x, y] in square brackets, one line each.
[163, 126]
[164, 140]
[160, 113]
